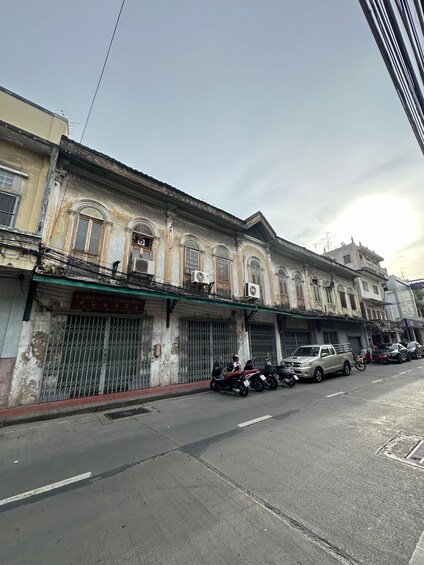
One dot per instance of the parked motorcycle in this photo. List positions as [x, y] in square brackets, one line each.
[286, 375]
[270, 374]
[230, 381]
[256, 378]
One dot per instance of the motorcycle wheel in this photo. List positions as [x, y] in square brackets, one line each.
[244, 391]
[360, 366]
[291, 381]
[273, 385]
[214, 386]
[258, 386]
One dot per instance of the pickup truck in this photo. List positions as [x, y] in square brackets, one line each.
[317, 360]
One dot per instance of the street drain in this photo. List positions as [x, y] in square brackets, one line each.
[406, 448]
[417, 454]
[126, 413]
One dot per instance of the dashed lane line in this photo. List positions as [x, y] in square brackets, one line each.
[46, 488]
[334, 394]
[255, 421]
[378, 381]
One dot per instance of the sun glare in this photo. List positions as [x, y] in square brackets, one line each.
[382, 222]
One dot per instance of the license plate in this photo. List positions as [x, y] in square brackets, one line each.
[246, 383]
[296, 377]
[263, 377]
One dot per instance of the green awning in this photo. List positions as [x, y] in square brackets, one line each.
[158, 294]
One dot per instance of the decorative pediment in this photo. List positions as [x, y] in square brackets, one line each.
[258, 227]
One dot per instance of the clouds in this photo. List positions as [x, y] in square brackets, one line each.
[284, 107]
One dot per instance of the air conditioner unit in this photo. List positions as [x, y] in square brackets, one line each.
[199, 277]
[252, 291]
[143, 266]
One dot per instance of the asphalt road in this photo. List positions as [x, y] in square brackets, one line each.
[321, 479]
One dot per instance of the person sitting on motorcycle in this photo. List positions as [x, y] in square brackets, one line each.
[236, 363]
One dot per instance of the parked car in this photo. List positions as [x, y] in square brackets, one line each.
[415, 349]
[317, 360]
[379, 355]
[391, 353]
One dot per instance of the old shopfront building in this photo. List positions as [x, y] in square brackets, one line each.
[141, 285]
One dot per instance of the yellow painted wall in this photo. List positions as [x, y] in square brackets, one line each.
[28, 117]
[31, 191]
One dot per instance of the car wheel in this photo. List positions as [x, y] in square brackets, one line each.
[319, 375]
[346, 369]
[400, 360]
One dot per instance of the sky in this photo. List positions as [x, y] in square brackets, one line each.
[282, 106]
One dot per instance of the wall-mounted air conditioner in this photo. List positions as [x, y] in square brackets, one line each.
[199, 277]
[252, 291]
[143, 266]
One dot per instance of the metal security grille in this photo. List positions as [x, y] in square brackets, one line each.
[292, 340]
[262, 343]
[202, 343]
[330, 337]
[92, 354]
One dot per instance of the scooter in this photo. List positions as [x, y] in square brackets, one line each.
[286, 375]
[256, 378]
[270, 375]
[230, 381]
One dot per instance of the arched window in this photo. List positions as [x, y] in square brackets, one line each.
[328, 286]
[142, 241]
[283, 287]
[316, 289]
[298, 283]
[222, 272]
[89, 233]
[352, 300]
[255, 272]
[191, 259]
[342, 296]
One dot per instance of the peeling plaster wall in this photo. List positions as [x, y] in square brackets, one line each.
[29, 364]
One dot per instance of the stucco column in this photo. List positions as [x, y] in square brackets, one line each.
[271, 277]
[169, 245]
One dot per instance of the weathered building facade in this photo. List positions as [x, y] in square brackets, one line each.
[140, 285]
[29, 137]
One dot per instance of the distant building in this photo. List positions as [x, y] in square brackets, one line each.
[403, 308]
[370, 284]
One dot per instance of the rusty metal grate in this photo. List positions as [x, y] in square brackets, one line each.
[126, 413]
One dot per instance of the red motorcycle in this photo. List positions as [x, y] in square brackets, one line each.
[230, 381]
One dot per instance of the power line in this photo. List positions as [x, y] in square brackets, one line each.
[103, 69]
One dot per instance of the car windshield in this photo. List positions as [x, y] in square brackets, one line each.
[306, 351]
[393, 347]
[384, 346]
[411, 345]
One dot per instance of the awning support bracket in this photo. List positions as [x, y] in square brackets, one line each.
[248, 317]
[170, 305]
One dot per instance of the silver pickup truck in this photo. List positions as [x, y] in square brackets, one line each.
[317, 360]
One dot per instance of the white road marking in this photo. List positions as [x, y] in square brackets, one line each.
[403, 373]
[378, 381]
[418, 556]
[46, 488]
[334, 394]
[255, 421]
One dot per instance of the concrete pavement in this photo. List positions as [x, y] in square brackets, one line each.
[58, 409]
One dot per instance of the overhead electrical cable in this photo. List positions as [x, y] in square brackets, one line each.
[103, 69]
[398, 30]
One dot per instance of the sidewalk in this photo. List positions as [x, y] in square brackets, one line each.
[48, 410]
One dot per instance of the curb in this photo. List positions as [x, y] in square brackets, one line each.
[34, 412]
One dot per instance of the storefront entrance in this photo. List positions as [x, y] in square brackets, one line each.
[202, 343]
[262, 343]
[96, 354]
